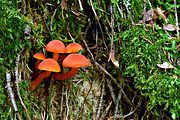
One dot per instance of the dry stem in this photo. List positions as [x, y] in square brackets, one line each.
[11, 94]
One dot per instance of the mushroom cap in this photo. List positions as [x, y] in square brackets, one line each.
[55, 46]
[75, 60]
[73, 47]
[39, 56]
[49, 65]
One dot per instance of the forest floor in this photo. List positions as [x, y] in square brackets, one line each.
[133, 48]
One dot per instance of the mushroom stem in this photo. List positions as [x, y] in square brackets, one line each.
[67, 75]
[39, 79]
[36, 70]
[36, 65]
[55, 56]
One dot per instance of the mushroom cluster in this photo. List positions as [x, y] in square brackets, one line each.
[63, 56]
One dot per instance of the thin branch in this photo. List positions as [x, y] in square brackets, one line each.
[128, 12]
[111, 91]
[144, 11]
[97, 64]
[152, 11]
[177, 26]
[62, 99]
[52, 17]
[80, 5]
[11, 94]
[101, 100]
[150, 6]
[130, 113]
[24, 7]
[120, 11]
[106, 111]
[112, 26]
[112, 30]
[117, 104]
[81, 112]
[67, 106]
[98, 23]
[17, 85]
[126, 98]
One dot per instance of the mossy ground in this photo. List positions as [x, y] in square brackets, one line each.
[138, 89]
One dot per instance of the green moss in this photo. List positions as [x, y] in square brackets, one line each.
[11, 30]
[140, 54]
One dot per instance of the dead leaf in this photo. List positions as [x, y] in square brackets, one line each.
[112, 58]
[165, 65]
[169, 27]
[64, 4]
[160, 13]
[150, 14]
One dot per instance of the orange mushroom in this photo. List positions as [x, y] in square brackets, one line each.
[56, 47]
[73, 47]
[39, 57]
[48, 65]
[74, 61]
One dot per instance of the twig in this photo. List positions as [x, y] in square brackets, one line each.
[152, 11]
[177, 26]
[46, 24]
[97, 64]
[61, 109]
[150, 6]
[43, 115]
[80, 5]
[101, 100]
[70, 33]
[112, 30]
[130, 113]
[52, 19]
[143, 117]
[128, 12]
[98, 23]
[67, 106]
[83, 104]
[111, 91]
[24, 7]
[144, 11]
[106, 111]
[17, 85]
[11, 94]
[120, 11]
[126, 98]
[117, 104]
